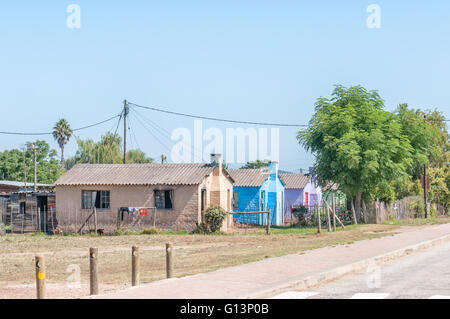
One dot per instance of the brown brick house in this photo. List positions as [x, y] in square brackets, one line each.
[179, 192]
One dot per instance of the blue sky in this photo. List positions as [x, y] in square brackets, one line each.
[248, 60]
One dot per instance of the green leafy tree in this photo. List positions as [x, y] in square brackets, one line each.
[106, 151]
[357, 144]
[138, 157]
[62, 134]
[256, 164]
[47, 165]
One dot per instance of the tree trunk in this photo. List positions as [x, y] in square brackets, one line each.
[62, 156]
[358, 204]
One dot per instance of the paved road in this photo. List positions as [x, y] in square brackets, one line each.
[421, 275]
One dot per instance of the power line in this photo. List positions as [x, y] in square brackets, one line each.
[166, 134]
[118, 123]
[50, 133]
[154, 136]
[216, 119]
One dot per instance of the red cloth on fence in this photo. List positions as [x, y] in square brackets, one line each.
[143, 211]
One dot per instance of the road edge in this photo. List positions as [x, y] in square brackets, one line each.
[303, 283]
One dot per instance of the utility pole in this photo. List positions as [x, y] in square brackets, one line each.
[24, 171]
[35, 166]
[125, 114]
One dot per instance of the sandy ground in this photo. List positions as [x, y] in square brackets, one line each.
[68, 264]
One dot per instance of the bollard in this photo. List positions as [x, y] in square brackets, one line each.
[169, 260]
[135, 266]
[93, 254]
[40, 277]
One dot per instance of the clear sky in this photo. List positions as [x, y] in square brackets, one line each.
[250, 60]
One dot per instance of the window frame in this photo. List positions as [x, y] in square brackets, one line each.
[104, 200]
[164, 200]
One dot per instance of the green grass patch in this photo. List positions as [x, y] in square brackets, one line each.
[418, 221]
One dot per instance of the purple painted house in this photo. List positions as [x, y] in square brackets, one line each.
[299, 190]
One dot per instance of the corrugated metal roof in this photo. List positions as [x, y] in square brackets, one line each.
[295, 181]
[135, 174]
[22, 184]
[249, 177]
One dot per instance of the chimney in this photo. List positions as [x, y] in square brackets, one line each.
[273, 169]
[216, 160]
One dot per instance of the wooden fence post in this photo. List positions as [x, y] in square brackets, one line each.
[355, 221]
[135, 272]
[93, 254]
[169, 260]
[319, 222]
[95, 221]
[40, 277]
[269, 217]
[364, 212]
[328, 216]
[333, 205]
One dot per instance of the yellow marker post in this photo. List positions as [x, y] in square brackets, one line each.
[40, 277]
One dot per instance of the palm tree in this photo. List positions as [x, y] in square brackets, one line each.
[62, 134]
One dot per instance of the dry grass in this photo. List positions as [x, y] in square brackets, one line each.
[193, 254]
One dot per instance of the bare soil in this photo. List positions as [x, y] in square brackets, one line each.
[193, 254]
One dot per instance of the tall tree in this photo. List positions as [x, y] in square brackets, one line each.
[47, 164]
[357, 144]
[256, 164]
[106, 151]
[62, 134]
[138, 157]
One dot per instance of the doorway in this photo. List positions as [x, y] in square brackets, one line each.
[42, 205]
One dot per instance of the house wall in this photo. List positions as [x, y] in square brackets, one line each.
[314, 194]
[293, 197]
[219, 192]
[249, 200]
[339, 197]
[183, 216]
[8, 189]
[274, 189]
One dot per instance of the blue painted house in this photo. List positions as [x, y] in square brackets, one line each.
[257, 190]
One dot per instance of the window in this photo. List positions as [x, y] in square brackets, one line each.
[163, 199]
[97, 199]
[235, 199]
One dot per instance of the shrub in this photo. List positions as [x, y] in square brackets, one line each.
[201, 229]
[151, 231]
[418, 207]
[214, 216]
[433, 211]
[302, 215]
